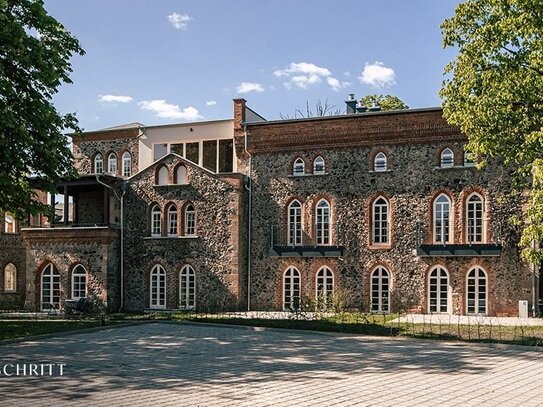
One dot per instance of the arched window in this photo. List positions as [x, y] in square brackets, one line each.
[380, 290]
[476, 292]
[380, 221]
[295, 223]
[468, 159]
[322, 222]
[181, 175]
[127, 164]
[162, 176]
[156, 221]
[172, 220]
[438, 291]
[10, 278]
[325, 288]
[79, 282]
[318, 166]
[157, 287]
[380, 162]
[447, 158]
[291, 289]
[190, 220]
[187, 288]
[50, 288]
[298, 167]
[442, 219]
[98, 163]
[474, 219]
[112, 163]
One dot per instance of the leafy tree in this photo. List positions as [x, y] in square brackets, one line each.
[35, 52]
[494, 93]
[385, 102]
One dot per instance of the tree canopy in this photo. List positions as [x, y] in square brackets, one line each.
[494, 92]
[35, 52]
[385, 102]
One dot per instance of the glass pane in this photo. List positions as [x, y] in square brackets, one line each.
[177, 149]
[226, 155]
[160, 150]
[193, 152]
[210, 155]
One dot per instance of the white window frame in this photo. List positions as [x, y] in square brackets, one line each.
[127, 164]
[156, 221]
[187, 284]
[468, 162]
[294, 223]
[380, 162]
[79, 278]
[99, 161]
[444, 235]
[437, 307]
[444, 161]
[292, 289]
[163, 177]
[189, 217]
[380, 225]
[324, 288]
[472, 236]
[319, 166]
[10, 278]
[380, 289]
[157, 296]
[298, 168]
[51, 274]
[172, 221]
[323, 212]
[473, 304]
[112, 163]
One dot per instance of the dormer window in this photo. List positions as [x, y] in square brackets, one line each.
[380, 162]
[112, 163]
[447, 158]
[99, 164]
[318, 166]
[298, 167]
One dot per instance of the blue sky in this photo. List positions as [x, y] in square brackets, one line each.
[166, 61]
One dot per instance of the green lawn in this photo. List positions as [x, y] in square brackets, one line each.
[21, 329]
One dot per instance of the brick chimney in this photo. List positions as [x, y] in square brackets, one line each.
[239, 116]
[351, 104]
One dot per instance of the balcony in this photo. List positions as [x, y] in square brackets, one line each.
[285, 244]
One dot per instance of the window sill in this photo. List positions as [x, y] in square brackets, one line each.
[374, 246]
[10, 292]
[307, 175]
[169, 237]
[454, 167]
[379, 172]
[170, 185]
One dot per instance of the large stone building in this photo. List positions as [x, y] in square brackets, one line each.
[376, 211]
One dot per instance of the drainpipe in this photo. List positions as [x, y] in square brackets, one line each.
[534, 297]
[121, 199]
[249, 223]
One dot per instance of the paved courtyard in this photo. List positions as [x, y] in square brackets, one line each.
[164, 364]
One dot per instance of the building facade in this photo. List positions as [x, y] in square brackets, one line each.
[374, 211]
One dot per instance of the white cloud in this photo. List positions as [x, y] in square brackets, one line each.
[211, 103]
[169, 111]
[114, 98]
[377, 75]
[305, 74]
[246, 87]
[179, 21]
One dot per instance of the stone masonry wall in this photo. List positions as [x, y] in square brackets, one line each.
[12, 251]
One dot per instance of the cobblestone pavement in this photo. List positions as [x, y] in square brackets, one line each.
[164, 364]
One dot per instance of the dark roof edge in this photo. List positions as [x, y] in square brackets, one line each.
[343, 116]
[157, 126]
[255, 113]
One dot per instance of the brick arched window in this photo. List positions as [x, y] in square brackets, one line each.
[474, 218]
[322, 222]
[50, 288]
[447, 158]
[324, 288]
[291, 289]
[181, 177]
[294, 223]
[380, 163]
[172, 220]
[79, 282]
[10, 278]
[189, 220]
[298, 168]
[127, 164]
[187, 288]
[112, 163]
[442, 219]
[156, 221]
[99, 163]
[319, 167]
[477, 292]
[380, 223]
[162, 176]
[439, 291]
[380, 290]
[157, 288]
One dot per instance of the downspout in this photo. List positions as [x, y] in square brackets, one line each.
[249, 188]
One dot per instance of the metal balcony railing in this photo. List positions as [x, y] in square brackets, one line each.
[322, 240]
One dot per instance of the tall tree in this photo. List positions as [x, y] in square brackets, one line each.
[35, 52]
[494, 92]
[385, 102]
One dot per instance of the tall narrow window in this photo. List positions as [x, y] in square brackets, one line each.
[476, 292]
[112, 163]
[99, 164]
[156, 224]
[291, 289]
[172, 220]
[447, 158]
[468, 159]
[325, 288]
[79, 282]
[380, 290]
[127, 164]
[162, 177]
[380, 221]
[295, 223]
[187, 288]
[474, 218]
[190, 220]
[438, 291]
[181, 175]
[50, 288]
[193, 152]
[380, 162]
[298, 167]
[318, 166]
[10, 278]
[158, 287]
[210, 155]
[322, 227]
[442, 219]
[226, 155]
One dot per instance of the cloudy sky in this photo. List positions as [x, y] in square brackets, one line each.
[166, 61]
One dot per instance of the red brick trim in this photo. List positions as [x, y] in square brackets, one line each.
[429, 236]
[464, 195]
[291, 165]
[391, 282]
[174, 174]
[183, 209]
[376, 150]
[93, 163]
